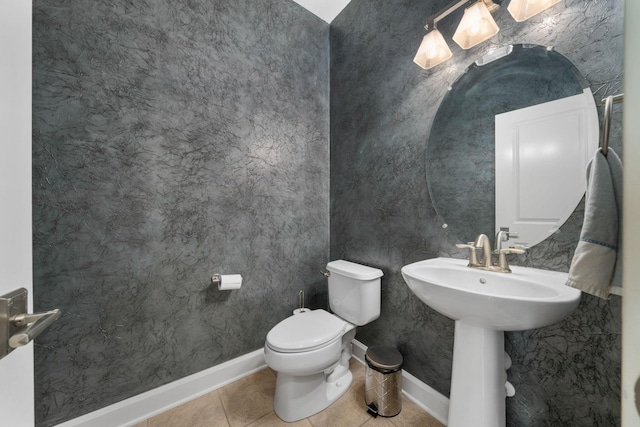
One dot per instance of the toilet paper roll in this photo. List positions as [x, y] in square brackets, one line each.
[229, 282]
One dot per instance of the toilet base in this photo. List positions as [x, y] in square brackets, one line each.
[299, 397]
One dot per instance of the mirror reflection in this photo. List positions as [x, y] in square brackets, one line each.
[547, 127]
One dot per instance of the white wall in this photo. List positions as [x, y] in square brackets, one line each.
[631, 274]
[324, 9]
[16, 369]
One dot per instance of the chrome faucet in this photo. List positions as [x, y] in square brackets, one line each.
[482, 242]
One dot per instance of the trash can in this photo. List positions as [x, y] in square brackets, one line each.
[383, 381]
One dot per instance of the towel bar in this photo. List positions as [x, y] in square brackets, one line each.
[608, 110]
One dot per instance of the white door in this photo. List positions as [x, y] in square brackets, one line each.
[16, 369]
[536, 148]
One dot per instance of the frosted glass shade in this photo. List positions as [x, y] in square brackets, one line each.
[432, 51]
[522, 10]
[476, 26]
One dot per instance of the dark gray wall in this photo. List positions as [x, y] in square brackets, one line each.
[172, 140]
[382, 106]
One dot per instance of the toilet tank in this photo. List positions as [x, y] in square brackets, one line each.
[354, 291]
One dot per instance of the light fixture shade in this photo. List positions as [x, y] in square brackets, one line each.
[476, 26]
[521, 10]
[432, 51]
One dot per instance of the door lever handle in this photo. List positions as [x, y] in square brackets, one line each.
[24, 319]
[36, 322]
[17, 327]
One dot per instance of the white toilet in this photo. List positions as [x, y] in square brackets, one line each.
[310, 351]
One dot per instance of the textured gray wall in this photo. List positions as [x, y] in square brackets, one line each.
[172, 140]
[382, 106]
[175, 139]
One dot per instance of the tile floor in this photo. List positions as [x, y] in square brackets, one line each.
[249, 402]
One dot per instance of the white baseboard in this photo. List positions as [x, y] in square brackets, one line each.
[418, 392]
[161, 399]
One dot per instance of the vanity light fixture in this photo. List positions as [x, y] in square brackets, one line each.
[521, 10]
[476, 26]
[433, 50]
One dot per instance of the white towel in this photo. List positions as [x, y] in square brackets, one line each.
[597, 262]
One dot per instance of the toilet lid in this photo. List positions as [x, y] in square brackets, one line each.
[305, 331]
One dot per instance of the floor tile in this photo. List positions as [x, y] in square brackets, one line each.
[272, 420]
[411, 415]
[249, 399]
[249, 402]
[205, 411]
[380, 422]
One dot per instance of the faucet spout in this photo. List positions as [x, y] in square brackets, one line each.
[501, 236]
[482, 242]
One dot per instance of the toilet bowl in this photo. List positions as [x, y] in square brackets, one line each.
[310, 351]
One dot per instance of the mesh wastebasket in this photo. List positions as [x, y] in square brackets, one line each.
[383, 382]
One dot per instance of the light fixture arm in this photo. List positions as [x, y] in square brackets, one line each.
[444, 13]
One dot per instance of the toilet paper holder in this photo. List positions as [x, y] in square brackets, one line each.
[216, 280]
[227, 282]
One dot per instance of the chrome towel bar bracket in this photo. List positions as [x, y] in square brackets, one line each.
[17, 327]
[606, 124]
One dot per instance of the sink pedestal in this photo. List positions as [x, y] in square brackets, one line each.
[478, 377]
[484, 304]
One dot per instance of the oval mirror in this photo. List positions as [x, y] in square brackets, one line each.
[510, 143]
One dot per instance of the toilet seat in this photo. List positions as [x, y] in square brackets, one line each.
[306, 332]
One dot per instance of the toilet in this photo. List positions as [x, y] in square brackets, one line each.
[310, 351]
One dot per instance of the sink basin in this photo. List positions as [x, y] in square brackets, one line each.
[484, 304]
[527, 298]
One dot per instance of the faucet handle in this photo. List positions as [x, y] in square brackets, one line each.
[468, 245]
[503, 265]
[517, 249]
[473, 258]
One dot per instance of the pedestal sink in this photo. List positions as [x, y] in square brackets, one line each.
[484, 304]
